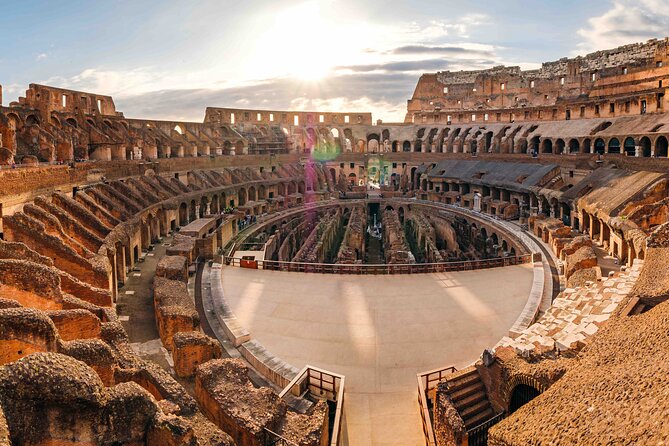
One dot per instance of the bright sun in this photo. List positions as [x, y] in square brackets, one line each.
[304, 42]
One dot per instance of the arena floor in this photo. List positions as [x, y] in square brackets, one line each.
[379, 331]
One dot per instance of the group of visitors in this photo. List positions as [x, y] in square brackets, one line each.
[246, 221]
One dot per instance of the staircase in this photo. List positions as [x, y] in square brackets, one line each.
[469, 397]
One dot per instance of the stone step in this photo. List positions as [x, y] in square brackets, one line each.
[470, 400]
[465, 392]
[479, 418]
[465, 380]
[474, 410]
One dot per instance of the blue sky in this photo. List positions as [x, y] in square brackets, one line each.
[170, 59]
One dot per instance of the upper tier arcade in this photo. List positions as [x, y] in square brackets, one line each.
[628, 80]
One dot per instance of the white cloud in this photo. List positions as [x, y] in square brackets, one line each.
[626, 22]
[363, 72]
[41, 56]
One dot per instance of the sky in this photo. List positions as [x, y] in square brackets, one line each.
[169, 59]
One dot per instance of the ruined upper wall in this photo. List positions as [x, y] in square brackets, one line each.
[287, 118]
[48, 99]
[629, 77]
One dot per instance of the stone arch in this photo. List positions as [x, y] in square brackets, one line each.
[514, 382]
[629, 146]
[534, 144]
[585, 147]
[645, 146]
[31, 120]
[600, 146]
[547, 146]
[204, 201]
[661, 147]
[559, 146]
[183, 214]
[574, 146]
[406, 146]
[214, 207]
[487, 141]
[241, 196]
[252, 193]
[614, 145]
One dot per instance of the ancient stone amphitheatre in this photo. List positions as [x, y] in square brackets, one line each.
[493, 270]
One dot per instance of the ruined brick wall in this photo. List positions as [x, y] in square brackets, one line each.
[514, 94]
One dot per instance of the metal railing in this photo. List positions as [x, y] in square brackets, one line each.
[271, 438]
[324, 385]
[404, 268]
[478, 435]
[426, 382]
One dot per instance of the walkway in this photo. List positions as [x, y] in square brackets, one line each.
[135, 308]
[379, 331]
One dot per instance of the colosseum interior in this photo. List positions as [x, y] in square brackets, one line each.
[493, 270]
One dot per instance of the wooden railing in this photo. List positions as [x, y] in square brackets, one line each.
[324, 385]
[426, 382]
[405, 268]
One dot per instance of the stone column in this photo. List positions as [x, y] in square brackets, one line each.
[637, 151]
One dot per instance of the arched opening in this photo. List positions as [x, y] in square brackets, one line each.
[547, 146]
[241, 196]
[630, 147]
[488, 142]
[32, 120]
[534, 145]
[585, 148]
[183, 214]
[394, 146]
[406, 146]
[574, 146]
[521, 395]
[192, 212]
[203, 207]
[252, 194]
[645, 146]
[661, 146]
[559, 147]
[614, 145]
[600, 146]
[214, 209]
